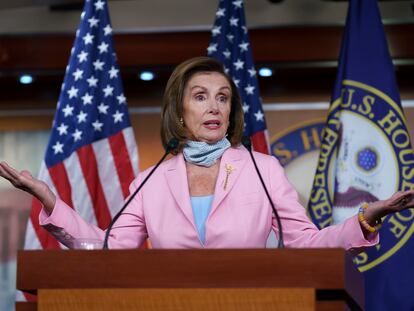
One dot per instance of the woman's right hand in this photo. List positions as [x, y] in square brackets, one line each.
[26, 182]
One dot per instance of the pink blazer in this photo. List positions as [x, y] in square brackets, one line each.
[240, 217]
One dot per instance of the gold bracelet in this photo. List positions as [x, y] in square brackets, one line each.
[363, 221]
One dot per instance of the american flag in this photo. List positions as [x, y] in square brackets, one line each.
[92, 156]
[230, 45]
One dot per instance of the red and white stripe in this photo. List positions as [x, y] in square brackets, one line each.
[260, 142]
[94, 181]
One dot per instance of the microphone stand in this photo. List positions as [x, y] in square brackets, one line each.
[172, 144]
[247, 143]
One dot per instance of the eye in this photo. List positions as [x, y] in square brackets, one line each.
[200, 97]
[223, 99]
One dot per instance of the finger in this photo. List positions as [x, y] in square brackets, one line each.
[396, 198]
[5, 173]
[8, 168]
[26, 174]
[11, 171]
[405, 200]
[410, 199]
[2, 166]
[17, 179]
[27, 180]
[409, 193]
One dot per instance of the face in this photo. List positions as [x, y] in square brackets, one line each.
[206, 106]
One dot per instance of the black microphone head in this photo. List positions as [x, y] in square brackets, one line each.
[247, 143]
[172, 144]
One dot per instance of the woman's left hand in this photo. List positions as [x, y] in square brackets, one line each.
[398, 202]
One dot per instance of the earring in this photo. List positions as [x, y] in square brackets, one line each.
[181, 121]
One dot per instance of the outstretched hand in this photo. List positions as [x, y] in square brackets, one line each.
[25, 181]
[398, 202]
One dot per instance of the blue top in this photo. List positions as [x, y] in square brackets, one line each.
[201, 209]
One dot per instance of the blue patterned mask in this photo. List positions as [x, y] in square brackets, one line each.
[204, 154]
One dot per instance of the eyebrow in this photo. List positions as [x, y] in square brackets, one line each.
[202, 87]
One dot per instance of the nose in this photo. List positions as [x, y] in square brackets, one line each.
[213, 106]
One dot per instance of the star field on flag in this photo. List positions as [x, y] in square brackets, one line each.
[231, 46]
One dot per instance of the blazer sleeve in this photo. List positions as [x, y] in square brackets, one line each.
[66, 225]
[299, 230]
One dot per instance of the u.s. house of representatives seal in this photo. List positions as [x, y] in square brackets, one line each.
[366, 156]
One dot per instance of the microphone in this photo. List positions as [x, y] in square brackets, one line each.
[248, 145]
[172, 144]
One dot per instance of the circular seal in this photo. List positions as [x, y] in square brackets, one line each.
[365, 155]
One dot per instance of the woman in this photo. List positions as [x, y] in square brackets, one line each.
[208, 194]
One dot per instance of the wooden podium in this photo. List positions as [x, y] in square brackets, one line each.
[226, 279]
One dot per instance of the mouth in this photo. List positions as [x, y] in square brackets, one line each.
[212, 124]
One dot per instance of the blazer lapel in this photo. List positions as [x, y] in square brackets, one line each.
[231, 166]
[176, 175]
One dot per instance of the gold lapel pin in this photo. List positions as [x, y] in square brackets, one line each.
[229, 170]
